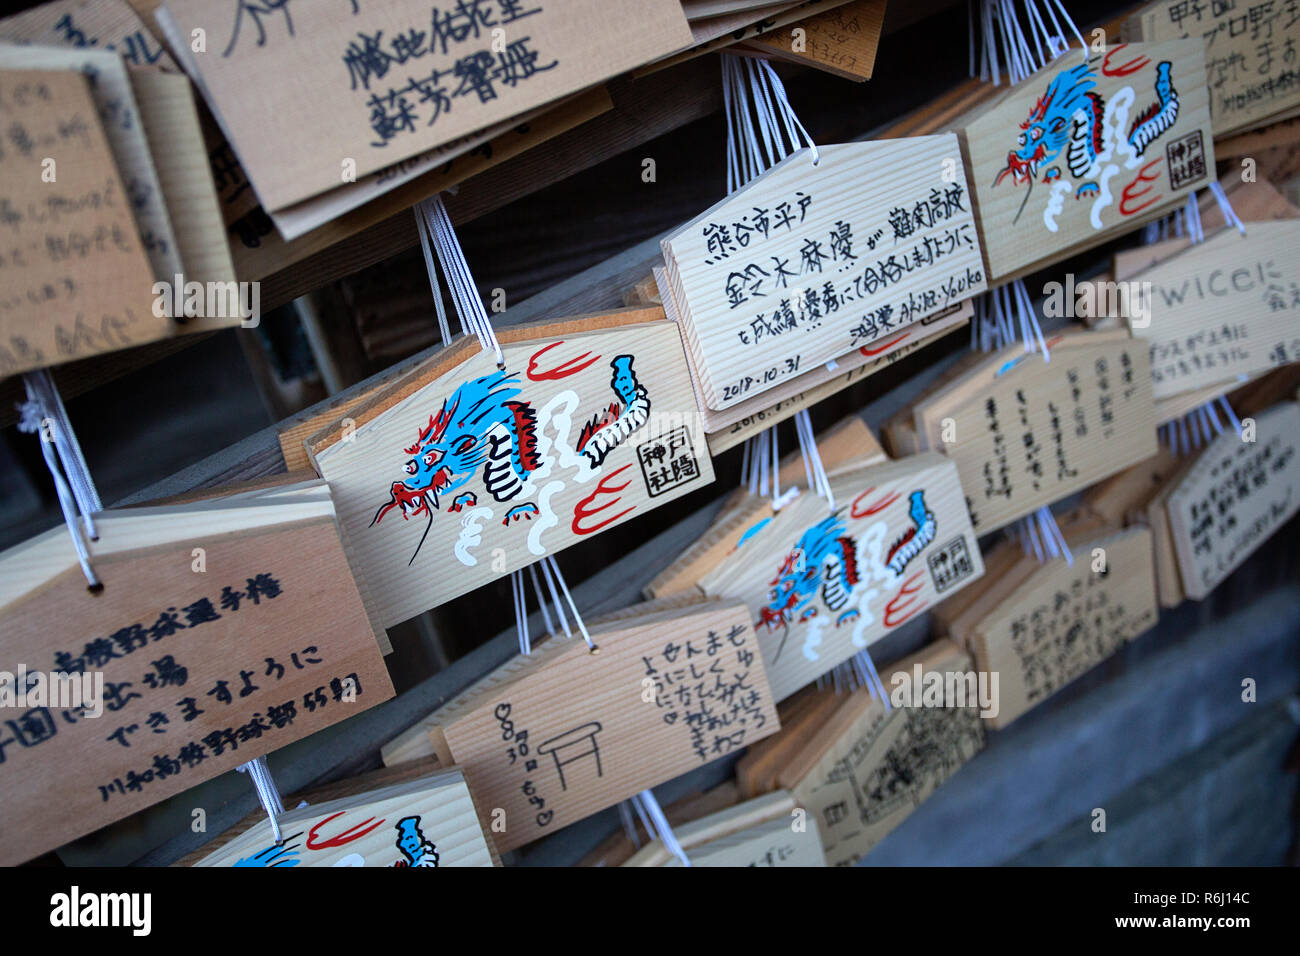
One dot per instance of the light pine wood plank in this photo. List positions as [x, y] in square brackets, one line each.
[562, 733]
[808, 262]
[822, 586]
[1085, 172]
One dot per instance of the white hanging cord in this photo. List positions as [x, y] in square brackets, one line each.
[867, 673]
[814, 470]
[1039, 533]
[422, 228]
[267, 793]
[629, 825]
[541, 601]
[1025, 47]
[461, 282]
[555, 598]
[1225, 207]
[573, 608]
[521, 612]
[657, 825]
[762, 127]
[44, 415]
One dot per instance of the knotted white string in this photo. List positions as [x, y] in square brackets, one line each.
[519, 593]
[1039, 533]
[43, 414]
[422, 228]
[469, 304]
[1023, 52]
[657, 824]
[267, 793]
[993, 326]
[813, 468]
[1199, 426]
[762, 128]
[551, 569]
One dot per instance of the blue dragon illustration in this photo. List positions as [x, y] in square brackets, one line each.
[416, 848]
[485, 428]
[824, 561]
[480, 425]
[913, 541]
[1068, 119]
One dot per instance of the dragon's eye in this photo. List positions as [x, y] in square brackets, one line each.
[1022, 139]
[773, 594]
[432, 458]
[1038, 133]
[411, 467]
[787, 585]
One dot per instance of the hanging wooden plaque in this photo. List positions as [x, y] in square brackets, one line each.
[810, 262]
[1234, 497]
[77, 279]
[869, 768]
[1063, 619]
[429, 822]
[223, 631]
[463, 472]
[563, 733]
[1025, 433]
[823, 585]
[302, 91]
[1223, 308]
[1086, 149]
[1251, 79]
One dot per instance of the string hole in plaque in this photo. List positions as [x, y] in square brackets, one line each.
[595, 649]
[96, 588]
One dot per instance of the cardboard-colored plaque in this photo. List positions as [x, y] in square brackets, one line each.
[822, 586]
[563, 733]
[867, 769]
[77, 279]
[1234, 497]
[102, 24]
[1055, 621]
[429, 822]
[224, 630]
[1084, 150]
[1250, 77]
[1025, 433]
[302, 90]
[1224, 308]
[842, 41]
[758, 832]
[819, 257]
[462, 472]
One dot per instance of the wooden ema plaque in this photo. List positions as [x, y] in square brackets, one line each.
[1025, 433]
[760, 832]
[1084, 150]
[842, 41]
[1250, 79]
[301, 91]
[810, 262]
[1234, 497]
[429, 822]
[77, 279]
[1041, 626]
[868, 768]
[1223, 308]
[563, 733]
[101, 24]
[463, 472]
[822, 586]
[220, 634]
